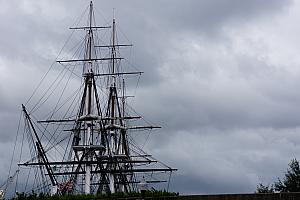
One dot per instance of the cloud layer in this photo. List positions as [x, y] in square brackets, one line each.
[221, 78]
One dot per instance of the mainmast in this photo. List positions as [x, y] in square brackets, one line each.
[89, 107]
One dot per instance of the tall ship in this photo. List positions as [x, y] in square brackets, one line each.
[84, 142]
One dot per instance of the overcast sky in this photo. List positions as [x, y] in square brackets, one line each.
[221, 77]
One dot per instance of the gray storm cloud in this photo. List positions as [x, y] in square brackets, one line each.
[221, 78]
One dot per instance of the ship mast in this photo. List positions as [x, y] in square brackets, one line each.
[112, 90]
[89, 110]
[101, 159]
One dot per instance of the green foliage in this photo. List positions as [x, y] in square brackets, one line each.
[265, 189]
[22, 196]
[154, 194]
[290, 182]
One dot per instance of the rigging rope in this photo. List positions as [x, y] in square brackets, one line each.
[15, 144]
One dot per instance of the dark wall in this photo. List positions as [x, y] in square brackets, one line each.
[276, 196]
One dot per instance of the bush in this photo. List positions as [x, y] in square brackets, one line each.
[153, 194]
